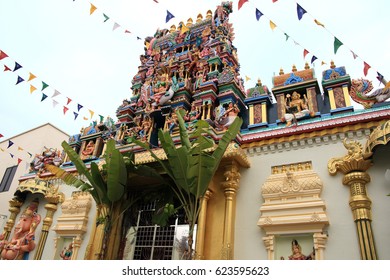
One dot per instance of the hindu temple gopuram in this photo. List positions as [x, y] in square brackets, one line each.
[306, 178]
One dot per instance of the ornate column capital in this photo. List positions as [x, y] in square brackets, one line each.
[355, 160]
[232, 177]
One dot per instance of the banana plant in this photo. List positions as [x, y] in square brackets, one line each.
[192, 165]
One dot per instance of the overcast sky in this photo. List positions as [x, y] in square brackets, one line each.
[84, 59]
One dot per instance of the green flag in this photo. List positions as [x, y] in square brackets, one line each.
[337, 44]
[105, 17]
[44, 85]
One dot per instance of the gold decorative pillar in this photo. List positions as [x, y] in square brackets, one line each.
[96, 241]
[354, 166]
[53, 198]
[209, 110]
[201, 230]
[14, 209]
[203, 111]
[251, 115]
[76, 246]
[230, 187]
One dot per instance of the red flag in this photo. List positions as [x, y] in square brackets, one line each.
[273, 1]
[305, 52]
[240, 3]
[127, 31]
[19, 160]
[1, 135]
[2, 55]
[6, 68]
[69, 100]
[65, 109]
[366, 67]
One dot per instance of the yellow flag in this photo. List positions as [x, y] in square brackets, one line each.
[31, 77]
[184, 29]
[32, 88]
[20, 148]
[91, 112]
[247, 78]
[323, 63]
[319, 23]
[85, 118]
[92, 9]
[1, 149]
[272, 25]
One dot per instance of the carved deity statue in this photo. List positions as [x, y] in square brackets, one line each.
[22, 241]
[296, 108]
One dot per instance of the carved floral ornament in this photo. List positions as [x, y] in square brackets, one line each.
[356, 160]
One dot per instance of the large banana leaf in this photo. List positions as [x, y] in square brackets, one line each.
[116, 176]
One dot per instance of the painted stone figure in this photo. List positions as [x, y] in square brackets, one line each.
[296, 108]
[22, 241]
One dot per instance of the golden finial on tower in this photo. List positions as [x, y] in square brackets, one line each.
[281, 72]
[173, 29]
[209, 14]
[259, 82]
[180, 25]
[332, 65]
[294, 68]
[307, 65]
[199, 18]
[189, 22]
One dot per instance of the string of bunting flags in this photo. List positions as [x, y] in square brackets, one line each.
[12, 153]
[337, 43]
[45, 90]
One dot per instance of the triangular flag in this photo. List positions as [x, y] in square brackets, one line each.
[287, 36]
[65, 110]
[305, 52]
[69, 100]
[79, 106]
[337, 44]
[6, 68]
[20, 148]
[319, 23]
[106, 17]
[1, 149]
[127, 31]
[354, 55]
[44, 96]
[91, 112]
[10, 143]
[301, 11]
[138, 38]
[31, 76]
[313, 58]
[92, 9]
[169, 17]
[55, 103]
[19, 160]
[323, 63]
[272, 25]
[273, 1]
[379, 77]
[32, 88]
[17, 66]
[2, 55]
[115, 26]
[101, 118]
[85, 118]
[56, 92]
[366, 67]
[247, 78]
[258, 14]
[240, 3]
[20, 79]
[184, 29]
[29, 154]
[296, 43]
[11, 155]
[1, 135]
[44, 85]
[75, 115]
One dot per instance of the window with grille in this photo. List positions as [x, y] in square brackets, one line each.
[7, 178]
[147, 241]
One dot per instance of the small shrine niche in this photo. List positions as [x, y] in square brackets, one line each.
[293, 210]
[259, 103]
[298, 96]
[336, 83]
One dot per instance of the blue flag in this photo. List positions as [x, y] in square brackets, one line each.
[44, 96]
[258, 14]
[20, 79]
[313, 58]
[169, 17]
[75, 115]
[301, 11]
[79, 106]
[17, 66]
[10, 143]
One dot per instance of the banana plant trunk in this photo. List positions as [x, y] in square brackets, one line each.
[100, 237]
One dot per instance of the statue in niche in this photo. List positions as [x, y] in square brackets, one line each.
[88, 151]
[22, 241]
[296, 108]
[227, 114]
[296, 252]
[66, 253]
